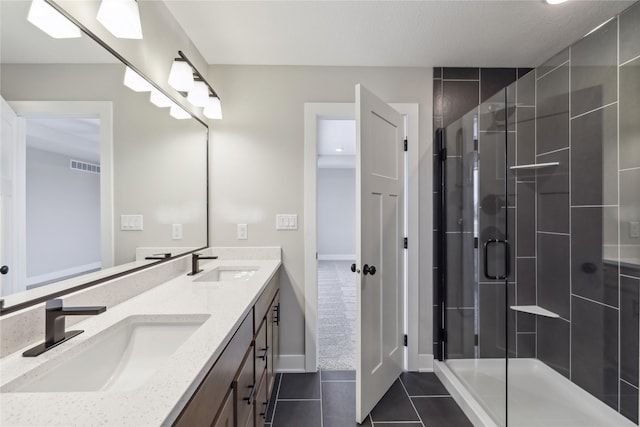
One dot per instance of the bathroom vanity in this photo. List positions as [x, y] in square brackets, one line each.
[194, 350]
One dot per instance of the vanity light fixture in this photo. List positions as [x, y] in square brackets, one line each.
[181, 75]
[178, 112]
[135, 82]
[199, 94]
[213, 109]
[202, 94]
[159, 99]
[121, 18]
[48, 19]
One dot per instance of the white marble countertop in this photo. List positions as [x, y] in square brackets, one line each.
[160, 400]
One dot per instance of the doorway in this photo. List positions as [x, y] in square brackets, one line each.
[314, 112]
[336, 192]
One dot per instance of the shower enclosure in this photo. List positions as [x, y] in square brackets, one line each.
[539, 237]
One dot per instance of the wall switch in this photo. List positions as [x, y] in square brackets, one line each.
[634, 229]
[286, 222]
[131, 223]
[176, 231]
[242, 231]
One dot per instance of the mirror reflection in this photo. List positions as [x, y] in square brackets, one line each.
[95, 178]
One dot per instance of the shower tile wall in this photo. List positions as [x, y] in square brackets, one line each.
[577, 247]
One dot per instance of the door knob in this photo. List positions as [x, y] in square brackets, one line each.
[4, 269]
[353, 268]
[369, 269]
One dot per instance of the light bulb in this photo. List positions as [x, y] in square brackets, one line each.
[181, 76]
[121, 18]
[52, 22]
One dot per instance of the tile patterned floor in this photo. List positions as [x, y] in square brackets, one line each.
[327, 399]
[336, 316]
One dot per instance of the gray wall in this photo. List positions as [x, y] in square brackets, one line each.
[257, 165]
[63, 206]
[336, 213]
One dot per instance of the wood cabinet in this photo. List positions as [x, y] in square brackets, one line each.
[236, 391]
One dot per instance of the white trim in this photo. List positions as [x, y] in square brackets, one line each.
[61, 274]
[469, 405]
[291, 363]
[313, 111]
[104, 109]
[425, 363]
[337, 257]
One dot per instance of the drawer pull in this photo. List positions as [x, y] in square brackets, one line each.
[264, 413]
[249, 399]
[264, 355]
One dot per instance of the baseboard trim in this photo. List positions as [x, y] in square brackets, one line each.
[291, 363]
[425, 363]
[337, 257]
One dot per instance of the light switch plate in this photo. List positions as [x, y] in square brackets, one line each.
[286, 222]
[634, 229]
[131, 223]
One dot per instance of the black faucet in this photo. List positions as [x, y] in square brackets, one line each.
[194, 263]
[159, 256]
[55, 333]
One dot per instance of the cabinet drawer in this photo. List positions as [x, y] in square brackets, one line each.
[264, 301]
[261, 402]
[244, 389]
[262, 349]
[225, 416]
[209, 397]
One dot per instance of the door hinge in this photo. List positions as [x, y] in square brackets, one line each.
[475, 339]
[475, 242]
[443, 335]
[443, 154]
[406, 243]
[406, 145]
[406, 340]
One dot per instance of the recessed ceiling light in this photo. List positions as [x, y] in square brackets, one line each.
[555, 1]
[339, 150]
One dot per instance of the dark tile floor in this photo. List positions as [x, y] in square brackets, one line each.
[328, 399]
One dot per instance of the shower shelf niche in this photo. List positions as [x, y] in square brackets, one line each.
[534, 166]
[534, 309]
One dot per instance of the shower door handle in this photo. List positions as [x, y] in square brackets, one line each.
[507, 257]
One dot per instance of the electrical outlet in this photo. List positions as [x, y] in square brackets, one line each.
[176, 231]
[634, 229]
[242, 232]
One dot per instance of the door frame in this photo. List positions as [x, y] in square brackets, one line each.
[313, 112]
[104, 110]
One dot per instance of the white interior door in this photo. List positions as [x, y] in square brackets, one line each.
[11, 200]
[379, 248]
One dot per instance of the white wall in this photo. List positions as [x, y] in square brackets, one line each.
[63, 206]
[336, 213]
[257, 166]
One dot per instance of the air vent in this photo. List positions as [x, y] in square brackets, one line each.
[84, 166]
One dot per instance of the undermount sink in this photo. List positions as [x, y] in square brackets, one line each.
[122, 357]
[227, 273]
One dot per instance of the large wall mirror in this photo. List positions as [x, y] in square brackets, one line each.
[95, 178]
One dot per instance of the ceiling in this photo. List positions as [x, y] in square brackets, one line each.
[334, 135]
[453, 33]
[76, 137]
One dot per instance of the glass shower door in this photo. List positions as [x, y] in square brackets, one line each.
[478, 290]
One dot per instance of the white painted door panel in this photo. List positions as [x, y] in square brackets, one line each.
[379, 243]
